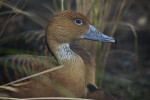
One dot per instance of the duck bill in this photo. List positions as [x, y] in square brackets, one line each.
[94, 34]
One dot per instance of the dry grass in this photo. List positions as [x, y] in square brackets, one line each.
[17, 11]
[98, 11]
[33, 75]
[44, 98]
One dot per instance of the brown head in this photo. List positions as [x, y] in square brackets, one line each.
[70, 25]
[67, 26]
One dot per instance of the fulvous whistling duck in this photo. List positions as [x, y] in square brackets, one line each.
[63, 28]
[34, 42]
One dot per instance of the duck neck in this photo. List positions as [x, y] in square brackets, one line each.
[63, 53]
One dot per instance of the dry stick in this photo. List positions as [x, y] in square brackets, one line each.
[49, 8]
[118, 17]
[34, 75]
[56, 5]
[106, 7]
[84, 7]
[90, 8]
[7, 12]
[135, 36]
[115, 26]
[1, 33]
[10, 18]
[62, 5]
[107, 46]
[32, 16]
[44, 98]
[136, 40]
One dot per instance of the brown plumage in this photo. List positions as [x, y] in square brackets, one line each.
[65, 27]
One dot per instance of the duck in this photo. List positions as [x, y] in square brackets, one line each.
[34, 42]
[63, 28]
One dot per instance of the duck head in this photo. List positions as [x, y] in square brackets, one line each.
[68, 25]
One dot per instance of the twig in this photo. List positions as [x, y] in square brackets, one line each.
[34, 75]
[32, 16]
[45, 98]
[62, 5]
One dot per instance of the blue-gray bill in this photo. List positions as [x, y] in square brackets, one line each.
[94, 34]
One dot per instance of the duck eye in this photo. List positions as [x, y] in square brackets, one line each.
[78, 21]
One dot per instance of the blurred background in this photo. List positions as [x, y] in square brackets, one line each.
[123, 68]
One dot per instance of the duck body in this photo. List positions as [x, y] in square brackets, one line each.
[63, 28]
[33, 42]
[28, 65]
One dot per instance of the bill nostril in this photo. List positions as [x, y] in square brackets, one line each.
[97, 31]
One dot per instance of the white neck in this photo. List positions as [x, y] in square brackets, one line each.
[64, 52]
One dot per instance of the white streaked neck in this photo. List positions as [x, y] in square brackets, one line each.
[64, 52]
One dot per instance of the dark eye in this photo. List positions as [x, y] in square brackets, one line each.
[78, 21]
